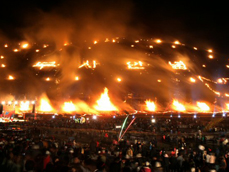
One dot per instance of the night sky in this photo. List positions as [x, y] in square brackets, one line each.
[204, 25]
[190, 21]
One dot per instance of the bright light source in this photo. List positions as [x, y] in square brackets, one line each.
[9, 102]
[114, 116]
[153, 120]
[16, 102]
[177, 42]
[213, 115]
[77, 78]
[152, 116]
[158, 41]
[94, 117]
[210, 57]
[133, 116]
[33, 102]
[171, 116]
[192, 80]
[3, 102]
[47, 79]
[224, 114]
[195, 48]
[194, 116]
[53, 116]
[87, 119]
[179, 116]
[210, 50]
[173, 46]
[119, 79]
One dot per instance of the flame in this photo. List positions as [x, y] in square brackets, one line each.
[87, 65]
[227, 106]
[25, 45]
[41, 65]
[24, 106]
[158, 41]
[11, 77]
[178, 65]
[192, 80]
[104, 103]
[119, 79]
[210, 57]
[177, 42]
[178, 106]
[210, 50]
[69, 107]
[150, 105]
[135, 65]
[203, 106]
[45, 105]
[77, 78]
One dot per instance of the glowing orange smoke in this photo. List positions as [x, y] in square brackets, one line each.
[150, 105]
[69, 107]
[203, 106]
[178, 106]
[104, 103]
[45, 105]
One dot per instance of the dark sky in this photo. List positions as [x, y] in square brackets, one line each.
[188, 20]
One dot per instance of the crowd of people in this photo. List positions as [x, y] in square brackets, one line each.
[32, 151]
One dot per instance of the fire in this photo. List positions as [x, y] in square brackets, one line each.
[178, 106]
[6, 45]
[119, 79]
[227, 106]
[203, 106]
[173, 46]
[24, 106]
[37, 50]
[195, 48]
[210, 57]
[77, 78]
[203, 65]
[15, 50]
[210, 50]
[158, 41]
[2, 57]
[150, 105]
[177, 42]
[95, 42]
[87, 65]
[69, 107]
[150, 46]
[45, 105]
[3, 65]
[47, 79]
[104, 103]
[192, 80]
[42, 65]
[135, 65]
[11, 77]
[178, 65]
[222, 80]
[25, 45]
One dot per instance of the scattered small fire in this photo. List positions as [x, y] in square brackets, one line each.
[119, 79]
[104, 103]
[48, 79]
[222, 80]
[178, 106]
[6, 45]
[227, 106]
[210, 50]
[15, 50]
[158, 41]
[150, 105]
[178, 65]
[25, 45]
[135, 65]
[77, 78]
[11, 77]
[177, 42]
[2, 57]
[42, 65]
[192, 80]
[3, 65]
[210, 57]
[203, 106]
[195, 48]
